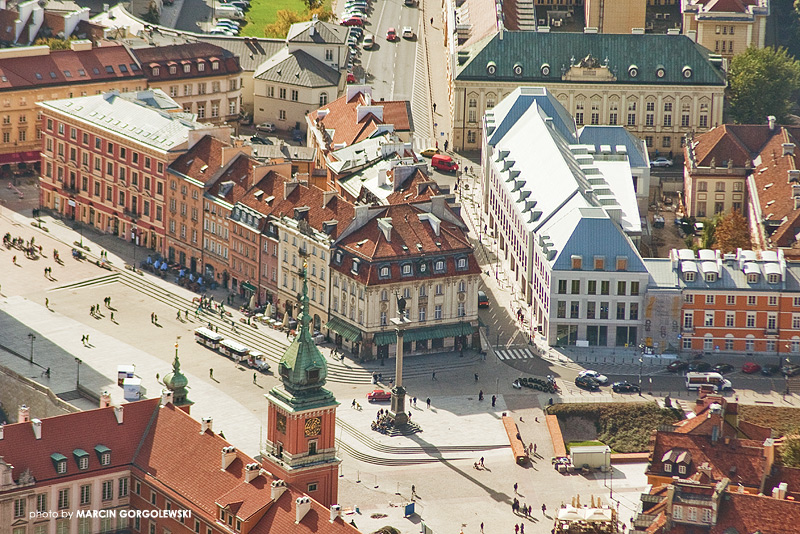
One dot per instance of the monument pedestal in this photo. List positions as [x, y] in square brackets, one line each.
[397, 413]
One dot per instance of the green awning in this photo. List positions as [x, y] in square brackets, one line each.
[248, 286]
[347, 331]
[384, 338]
[425, 333]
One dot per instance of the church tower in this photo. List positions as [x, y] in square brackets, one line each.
[301, 418]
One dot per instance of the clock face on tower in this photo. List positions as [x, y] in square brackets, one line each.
[313, 426]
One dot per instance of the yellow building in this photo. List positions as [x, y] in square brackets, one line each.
[35, 73]
[727, 27]
[203, 78]
[615, 16]
[660, 87]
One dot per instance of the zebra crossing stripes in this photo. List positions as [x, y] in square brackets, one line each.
[514, 354]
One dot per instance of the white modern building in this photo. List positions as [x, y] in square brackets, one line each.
[564, 217]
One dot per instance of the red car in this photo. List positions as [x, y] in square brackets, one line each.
[750, 368]
[391, 34]
[351, 78]
[352, 21]
[379, 395]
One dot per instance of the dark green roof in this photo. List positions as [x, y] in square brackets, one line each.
[533, 50]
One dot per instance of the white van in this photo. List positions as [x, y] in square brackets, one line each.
[696, 380]
[231, 12]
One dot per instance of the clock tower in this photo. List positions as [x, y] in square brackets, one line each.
[301, 418]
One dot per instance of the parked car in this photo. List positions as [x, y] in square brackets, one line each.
[790, 369]
[600, 379]
[677, 365]
[624, 387]
[429, 152]
[723, 368]
[408, 33]
[444, 163]
[379, 395]
[750, 368]
[358, 32]
[222, 31]
[483, 300]
[268, 127]
[661, 161]
[587, 382]
[770, 369]
[369, 41]
[351, 78]
[256, 140]
[391, 34]
[699, 367]
[352, 21]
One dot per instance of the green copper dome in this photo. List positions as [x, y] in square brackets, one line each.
[176, 381]
[302, 368]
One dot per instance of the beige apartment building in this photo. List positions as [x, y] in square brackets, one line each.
[33, 74]
[615, 16]
[727, 28]
[660, 87]
[203, 78]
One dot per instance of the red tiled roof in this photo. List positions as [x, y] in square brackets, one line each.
[86, 66]
[165, 446]
[369, 243]
[790, 475]
[722, 144]
[773, 188]
[342, 118]
[193, 53]
[756, 513]
[239, 172]
[746, 456]
[337, 208]
[8, 18]
[65, 433]
[207, 152]
[416, 189]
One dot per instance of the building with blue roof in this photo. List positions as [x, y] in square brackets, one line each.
[565, 218]
[658, 86]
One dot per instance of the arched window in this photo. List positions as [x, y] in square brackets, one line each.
[323, 98]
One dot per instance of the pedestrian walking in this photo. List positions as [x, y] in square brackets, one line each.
[481, 527]
[494, 400]
[354, 404]
[186, 314]
[428, 401]
[482, 462]
[179, 315]
[415, 402]
[516, 528]
[152, 317]
[446, 142]
[211, 373]
[534, 448]
[476, 377]
[83, 339]
[14, 260]
[254, 378]
[47, 303]
[434, 107]
[515, 487]
[87, 339]
[155, 319]
[413, 490]
[544, 508]
[433, 375]
[112, 317]
[522, 528]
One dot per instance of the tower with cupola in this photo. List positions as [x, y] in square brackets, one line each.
[300, 446]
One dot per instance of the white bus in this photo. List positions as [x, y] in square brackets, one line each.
[233, 349]
[206, 337]
[696, 380]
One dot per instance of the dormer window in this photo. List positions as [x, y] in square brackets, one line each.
[407, 269]
[752, 278]
[688, 276]
[103, 454]
[173, 69]
[462, 263]
[354, 269]
[681, 469]
[215, 65]
[773, 278]
[385, 271]
[187, 68]
[599, 263]
[622, 263]
[577, 263]
[337, 258]
[711, 277]
[439, 266]
[668, 468]
[59, 462]
[201, 67]
[81, 458]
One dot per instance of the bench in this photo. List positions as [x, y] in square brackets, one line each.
[517, 447]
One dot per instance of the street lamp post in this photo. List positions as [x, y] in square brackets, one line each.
[397, 413]
[78, 379]
[133, 242]
[32, 338]
[641, 363]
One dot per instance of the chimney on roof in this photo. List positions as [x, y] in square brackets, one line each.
[301, 505]
[23, 414]
[251, 471]
[438, 205]
[327, 196]
[793, 176]
[118, 413]
[383, 177]
[336, 511]
[228, 456]
[105, 399]
[692, 34]
[276, 489]
[385, 224]
[37, 428]
[788, 149]
[361, 214]
[166, 397]
[206, 423]
[771, 122]
[288, 187]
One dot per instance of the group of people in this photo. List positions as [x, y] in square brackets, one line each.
[28, 247]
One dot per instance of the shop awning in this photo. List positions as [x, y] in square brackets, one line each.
[384, 338]
[428, 332]
[32, 156]
[248, 286]
[347, 331]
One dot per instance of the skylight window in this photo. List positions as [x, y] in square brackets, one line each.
[38, 76]
[96, 71]
[81, 72]
[123, 68]
[68, 74]
[53, 75]
[110, 69]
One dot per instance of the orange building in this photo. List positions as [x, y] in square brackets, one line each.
[747, 302]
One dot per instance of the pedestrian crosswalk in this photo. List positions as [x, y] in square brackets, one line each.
[515, 354]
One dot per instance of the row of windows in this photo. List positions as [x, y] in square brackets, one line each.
[719, 187]
[64, 498]
[730, 343]
[709, 320]
[623, 287]
[731, 300]
[593, 311]
[187, 67]
[407, 269]
[423, 291]
[119, 156]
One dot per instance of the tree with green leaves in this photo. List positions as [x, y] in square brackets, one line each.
[732, 232]
[54, 43]
[761, 82]
[286, 17]
[790, 451]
